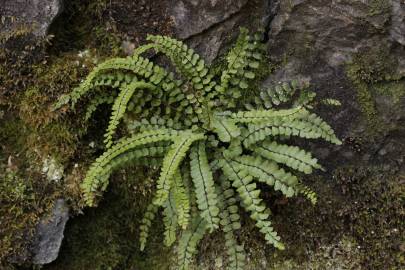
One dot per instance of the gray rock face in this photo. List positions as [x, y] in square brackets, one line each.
[49, 234]
[193, 16]
[335, 29]
[34, 14]
[318, 39]
[208, 24]
[397, 30]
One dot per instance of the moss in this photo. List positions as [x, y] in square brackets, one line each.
[370, 68]
[21, 208]
[379, 7]
[82, 26]
[357, 220]
[394, 89]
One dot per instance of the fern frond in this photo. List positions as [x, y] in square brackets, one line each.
[141, 49]
[230, 222]
[292, 156]
[201, 175]
[146, 223]
[243, 60]
[308, 193]
[186, 61]
[171, 163]
[242, 181]
[324, 130]
[182, 201]
[279, 94]
[138, 65]
[120, 106]
[305, 98]
[97, 101]
[304, 125]
[170, 219]
[236, 59]
[189, 241]
[102, 166]
[331, 102]
[260, 116]
[225, 128]
[269, 173]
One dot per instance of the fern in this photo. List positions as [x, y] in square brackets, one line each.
[204, 186]
[210, 154]
[230, 223]
[292, 156]
[242, 182]
[119, 107]
[182, 201]
[171, 164]
[146, 223]
[189, 241]
[170, 218]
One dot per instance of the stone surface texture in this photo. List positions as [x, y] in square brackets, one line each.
[49, 234]
[35, 14]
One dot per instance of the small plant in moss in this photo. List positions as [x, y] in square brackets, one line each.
[211, 153]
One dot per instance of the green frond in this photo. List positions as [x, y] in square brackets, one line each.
[235, 252]
[292, 156]
[113, 79]
[331, 102]
[304, 125]
[225, 128]
[306, 98]
[230, 222]
[97, 175]
[243, 61]
[249, 194]
[202, 178]
[261, 116]
[97, 101]
[321, 127]
[234, 149]
[189, 64]
[170, 219]
[153, 124]
[141, 49]
[269, 173]
[120, 106]
[279, 94]
[308, 193]
[138, 65]
[236, 58]
[189, 241]
[181, 200]
[171, 163]
[146, 223]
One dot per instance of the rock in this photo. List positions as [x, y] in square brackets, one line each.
[37, 15]
[397, 30]
[52, 170]
[331, 29]
[209, 25]
[317, 40]
[49, 234]
[192, 17]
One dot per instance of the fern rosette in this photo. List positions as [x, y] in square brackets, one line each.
[212, 155]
